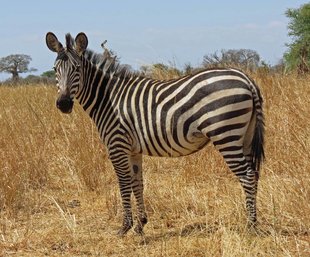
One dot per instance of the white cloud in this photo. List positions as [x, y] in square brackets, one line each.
[276, 24]
[31, 38]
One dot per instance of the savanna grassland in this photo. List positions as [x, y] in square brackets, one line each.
[59, 194]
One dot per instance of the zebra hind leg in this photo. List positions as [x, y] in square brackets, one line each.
[137, 188]
[238, 164]
[249, 184]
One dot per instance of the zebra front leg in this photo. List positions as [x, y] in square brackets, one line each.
[137, 188]
[125, 190]
[120, 161]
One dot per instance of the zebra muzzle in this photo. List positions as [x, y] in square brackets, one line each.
[64, 103]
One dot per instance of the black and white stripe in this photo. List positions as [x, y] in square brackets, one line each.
[137, 115]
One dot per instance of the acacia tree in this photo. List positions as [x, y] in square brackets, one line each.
[244, 58]
[15, 64]
[298, 54]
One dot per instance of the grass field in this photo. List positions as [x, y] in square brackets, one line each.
[59, 194]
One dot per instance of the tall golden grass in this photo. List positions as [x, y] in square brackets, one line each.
[59, 194]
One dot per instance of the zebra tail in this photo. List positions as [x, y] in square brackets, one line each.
[257, 149]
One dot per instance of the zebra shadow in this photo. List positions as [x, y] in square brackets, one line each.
[272, 230]
[202, 229]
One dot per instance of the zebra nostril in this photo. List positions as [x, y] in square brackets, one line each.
[64, 103]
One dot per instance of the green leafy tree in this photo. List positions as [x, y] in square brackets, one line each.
[298, 54]
[49, 74]
[16, 64]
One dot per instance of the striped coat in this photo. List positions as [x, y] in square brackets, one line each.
[137, 115]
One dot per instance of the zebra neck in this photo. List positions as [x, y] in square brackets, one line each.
[95, 96]
[93, 81]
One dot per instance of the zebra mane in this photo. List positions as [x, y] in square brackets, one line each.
[103, 62]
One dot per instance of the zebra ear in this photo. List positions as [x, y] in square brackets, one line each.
[81, 43]
[52, 43]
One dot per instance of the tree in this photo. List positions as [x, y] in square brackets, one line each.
[188, 68]
[15, 64]
[243, 58]
[51, 74]
[160, 70]
[298, 54]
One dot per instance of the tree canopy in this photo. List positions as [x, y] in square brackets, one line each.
[15, 64]
[298, 54]
[51, 74]
[243, 58]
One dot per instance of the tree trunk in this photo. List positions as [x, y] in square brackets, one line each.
[303, 66]
[15, 76]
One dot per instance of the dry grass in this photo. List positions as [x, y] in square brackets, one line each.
[59, 195]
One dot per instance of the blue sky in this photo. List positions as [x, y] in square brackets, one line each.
[147, 32]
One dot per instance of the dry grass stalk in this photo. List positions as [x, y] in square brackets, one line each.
[59, 195]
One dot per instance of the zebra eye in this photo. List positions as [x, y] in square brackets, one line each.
[54, 68]
[78, 67]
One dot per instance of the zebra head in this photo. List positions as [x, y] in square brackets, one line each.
[67, 67]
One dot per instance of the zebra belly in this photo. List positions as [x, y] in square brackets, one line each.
[170, 145]
[173, 153]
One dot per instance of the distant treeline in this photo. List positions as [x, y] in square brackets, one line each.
[45, 78]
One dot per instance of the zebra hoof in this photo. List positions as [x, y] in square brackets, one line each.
[252, 224]
[123, 231]
[138, 231]
[141, 221]
[252, 228]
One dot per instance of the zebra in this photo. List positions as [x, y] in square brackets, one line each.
[136, 115]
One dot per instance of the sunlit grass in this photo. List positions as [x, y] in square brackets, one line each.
[59, 194]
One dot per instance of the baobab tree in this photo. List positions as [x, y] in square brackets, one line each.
[15, 64]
